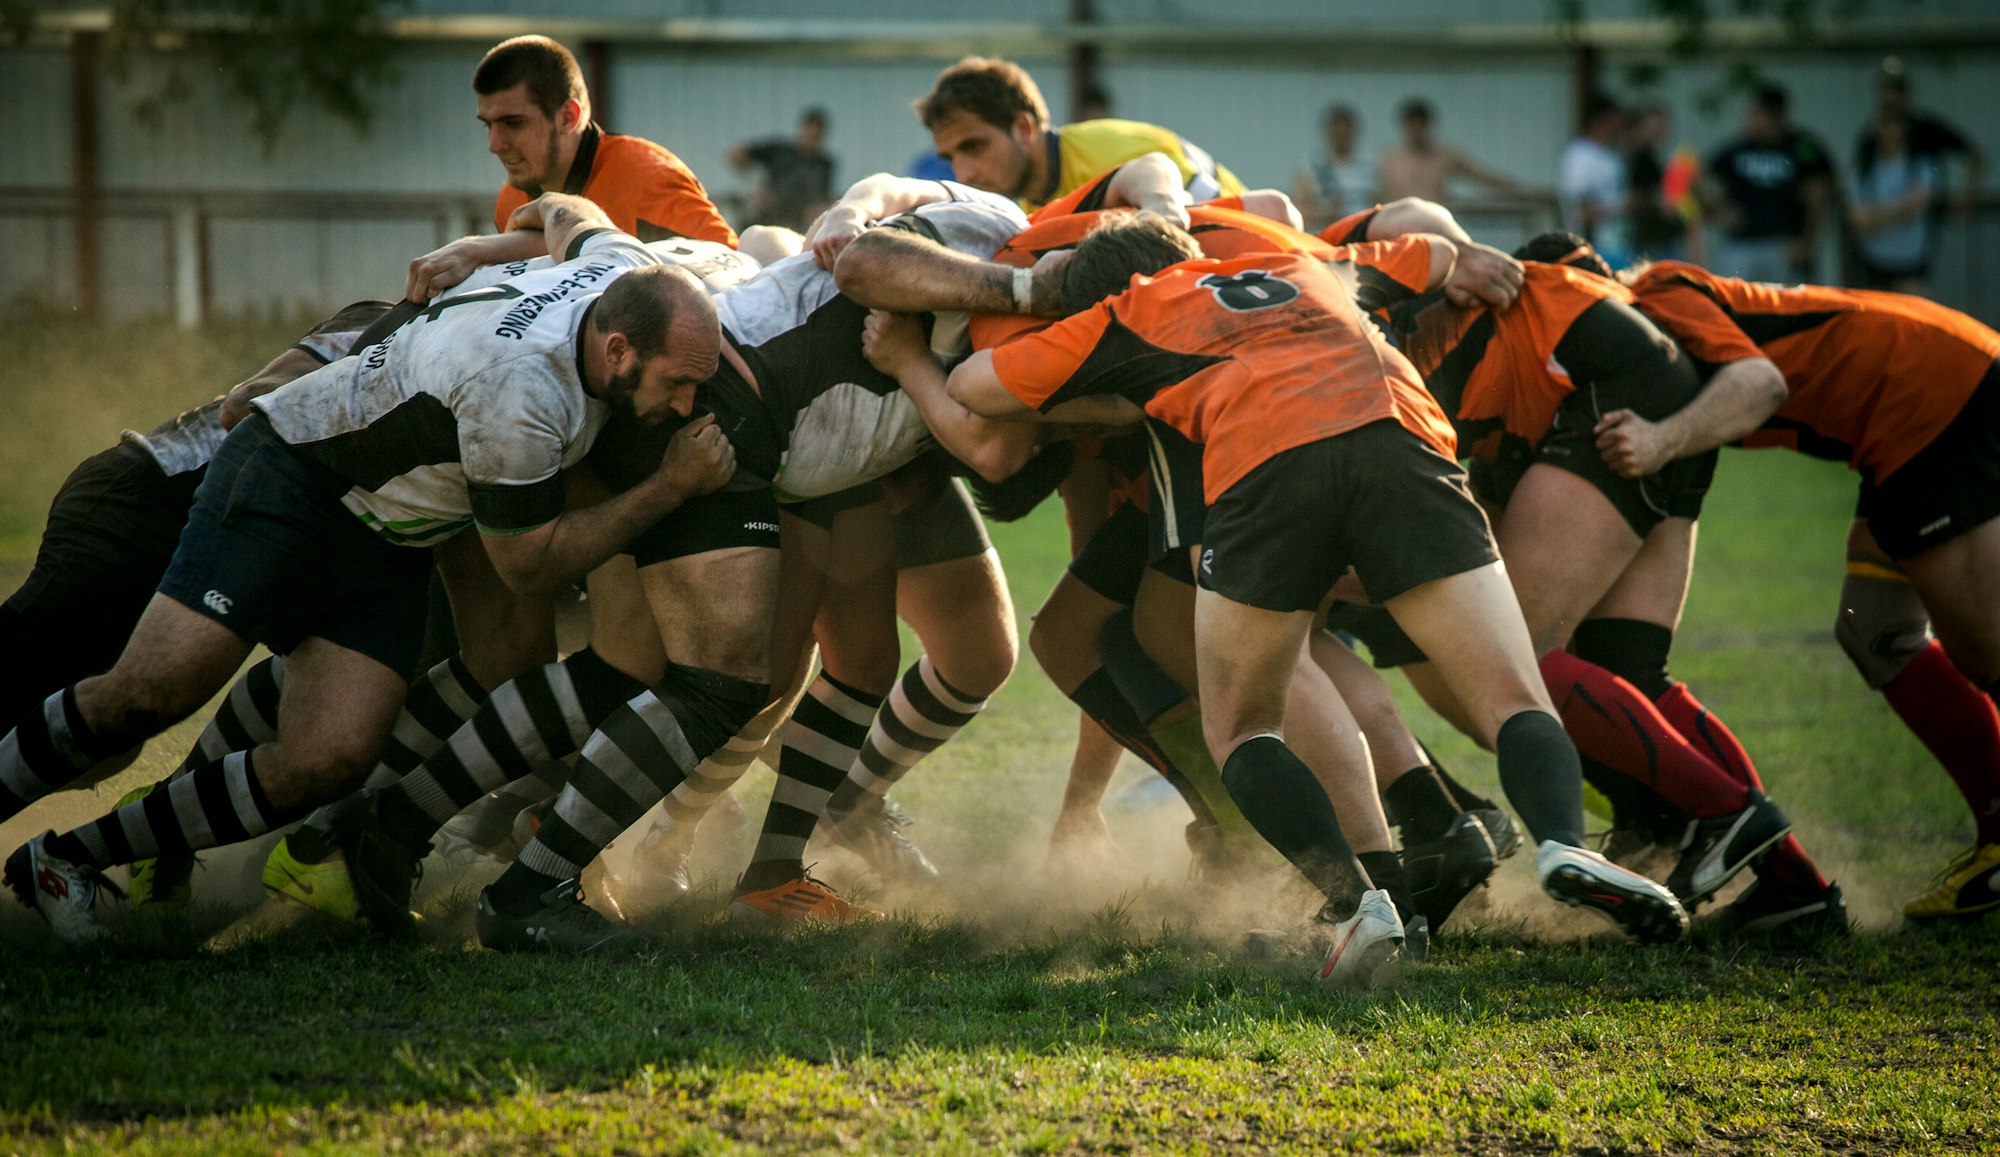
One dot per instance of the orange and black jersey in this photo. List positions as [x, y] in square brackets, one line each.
[644, 188]
[1874, 377]
[1386, 272]
[1498, 372]
[1248, 358]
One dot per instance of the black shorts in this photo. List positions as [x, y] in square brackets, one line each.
[1111, 562]
[270, 553]
[941, 526]
[1375, 628]
[1377, 499]
[715, 521]
[823, 510]
[1175, 509]
[1618, 361]
[1950, 487]
[111, 532]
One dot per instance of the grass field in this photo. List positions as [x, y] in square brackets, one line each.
[1019, 1012]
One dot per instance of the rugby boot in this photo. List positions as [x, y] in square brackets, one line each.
[1501, 830]
[163, 879]
[1444, 871]
[802, 899]
[873, 830]
[1779, 913]
[70, 897]
[658, 867]
[1583, 879]
[1714, 850]
[382, 870]
[560, 922]
[1968, 887]
[1364, 942]
[322, 885]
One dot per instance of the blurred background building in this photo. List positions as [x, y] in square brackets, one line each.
[188, 213]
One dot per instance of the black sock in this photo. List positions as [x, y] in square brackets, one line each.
[1634, 650]
[1385, 871]
[1542, 777]
[1418, 803]
[1280, 797]
[1100, 699]
[822, 740]
[1466, 798]
[52, 747]
[210, 807]
[1150, 690]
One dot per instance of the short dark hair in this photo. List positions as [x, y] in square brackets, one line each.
[1334, 112]
[547, 68]
[814, 115]
[1772, 99]
[1416, 108]
[1118, 246]
[1561, 247]
[1597, 105]
[992, 89]
[643, 304]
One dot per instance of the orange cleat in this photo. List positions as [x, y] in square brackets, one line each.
[802, 899]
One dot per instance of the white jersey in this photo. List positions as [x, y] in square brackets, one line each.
[717, 266]
[469, 412]
[838, 421]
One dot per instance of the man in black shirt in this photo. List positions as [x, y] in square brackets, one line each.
[795, 176]
[1768, 191]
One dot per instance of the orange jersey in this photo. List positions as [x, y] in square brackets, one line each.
[1874, 377]
[1352, 228]
[646, 190]
[1387, 271]
[1498, 371]
[1249, 358]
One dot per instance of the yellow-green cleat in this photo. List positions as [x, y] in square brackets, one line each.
[163, 880]
[1968, 887]
[323, 887]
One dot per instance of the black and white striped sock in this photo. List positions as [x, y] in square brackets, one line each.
[216, 804]
[247, 717]
[49, 749]
[821, 741]
[921, 714]
[522, 729]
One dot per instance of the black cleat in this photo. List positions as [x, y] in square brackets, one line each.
[382, 870]
[873, 830]
[1501, 829]
[1714, 850]
[1764, 910]
[561, 922]
[1445, 870]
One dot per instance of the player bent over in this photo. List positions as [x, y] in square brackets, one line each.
[302, 538]
[1303, 409]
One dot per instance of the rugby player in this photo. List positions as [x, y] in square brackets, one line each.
[1306, 417]
[302, 532]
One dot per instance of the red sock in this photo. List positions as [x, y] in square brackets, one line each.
[1614, 724]
[1958, 722]
[1786, 865]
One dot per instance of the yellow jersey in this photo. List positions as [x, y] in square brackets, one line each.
[1080, 153]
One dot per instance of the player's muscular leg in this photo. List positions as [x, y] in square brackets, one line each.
[501, 633]
[176, 661]
[963, 615]
[1960, 583]
[1065, 630]
[1565, 545]
[1248, 658]
[1162, 614]
[1323, 732]
[856, 619]
[1391, 748]
[337, 710]
[714, 609]
[1471, 627]
[1654, 587]
[622, 631]
[1431, 687]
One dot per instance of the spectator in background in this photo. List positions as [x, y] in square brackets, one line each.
[1590, 181]
[795, 177]
[1768, 191]
[1093, 105]
[1926, 137]
[1340, 180]
[1421, 165]
[1889, 209]
[1664, 221]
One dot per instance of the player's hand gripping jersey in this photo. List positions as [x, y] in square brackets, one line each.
[1249, 357]
[1874, 377]
[470, 411]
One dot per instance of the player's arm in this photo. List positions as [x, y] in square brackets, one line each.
[563, 219]
[1273, 205]
[294, 363]
[894, 343]
[1151, 182]
[526, 237]
[1740, 397]
[1414, 215]
[902, 272]
[539, 548]
[868, 200]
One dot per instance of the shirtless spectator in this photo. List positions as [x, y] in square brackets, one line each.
[1422, 165]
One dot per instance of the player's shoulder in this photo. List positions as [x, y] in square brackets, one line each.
[619, 149]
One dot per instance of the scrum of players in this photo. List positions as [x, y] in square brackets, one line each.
[757, 453]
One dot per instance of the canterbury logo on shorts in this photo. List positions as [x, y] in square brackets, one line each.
[217, 601]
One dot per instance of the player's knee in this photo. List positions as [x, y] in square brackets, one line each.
[1882, 627]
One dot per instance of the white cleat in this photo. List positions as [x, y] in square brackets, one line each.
[1583, 879]
[71, 897]
[1364, 942]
